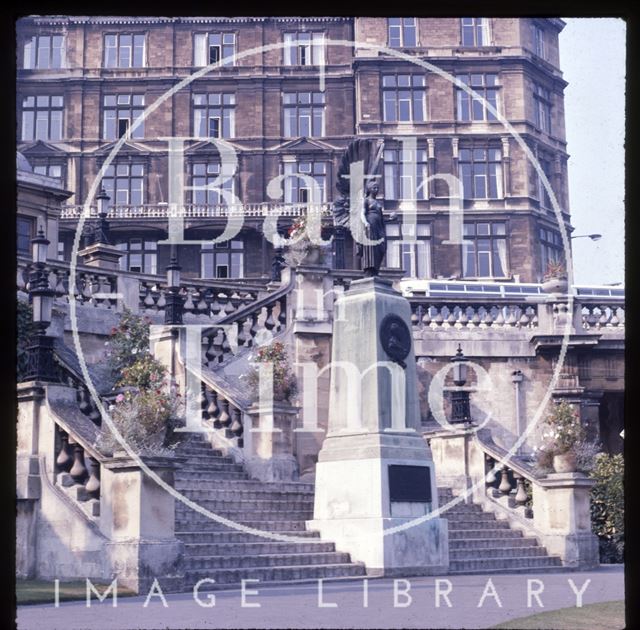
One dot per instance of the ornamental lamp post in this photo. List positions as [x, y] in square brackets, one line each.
[102, 228]
[173, 306]
[460, 408]
[40, 363]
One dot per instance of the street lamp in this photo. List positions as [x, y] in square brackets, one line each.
[40, 363]
[460, 408]
[173, 306]
[593, 237]
[102, 228]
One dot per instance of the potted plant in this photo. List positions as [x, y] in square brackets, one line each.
[555, 278]
[564, 446]
[302, 250]
[284, 380]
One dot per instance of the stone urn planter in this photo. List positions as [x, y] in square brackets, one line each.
[555, 285]
[565, 463]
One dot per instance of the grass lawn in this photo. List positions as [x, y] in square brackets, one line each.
[41, 591]
[603, 616]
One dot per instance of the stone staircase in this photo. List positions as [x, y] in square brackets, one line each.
[226, 555]
[480, 543]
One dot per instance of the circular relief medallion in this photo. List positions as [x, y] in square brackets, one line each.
[395, 338]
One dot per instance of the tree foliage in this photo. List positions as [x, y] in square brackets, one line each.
[607, 506]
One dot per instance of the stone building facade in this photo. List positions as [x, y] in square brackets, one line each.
[290, 109]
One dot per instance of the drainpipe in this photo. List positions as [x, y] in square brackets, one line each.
[516, 378]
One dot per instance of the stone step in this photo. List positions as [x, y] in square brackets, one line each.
[519, 563]
[195, 476]
[256, 548]
[248, 484]
[193, 463]
[477, 523]
[496, 552]
[213, 537]
[264, 526]
[202, 447]
[485, 543]
[266, 560]
[482, 533]
[186, 513]
[208, 464]
[220, 494]
[246, 505]
[268, 574]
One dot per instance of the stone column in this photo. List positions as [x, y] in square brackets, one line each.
[28, 489]
[270, 456]
[312, 310]
[138, 518]
[561, 513]
[375, 471]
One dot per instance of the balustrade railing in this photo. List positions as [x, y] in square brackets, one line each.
[197, 211]
[507, 479]
[223, 413]
[437, 314]
[599, 315]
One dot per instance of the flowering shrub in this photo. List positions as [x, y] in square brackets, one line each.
[146, 420]
[129, 341]
[564, 434]
[146, 413]
[284, 381]
[607, 506]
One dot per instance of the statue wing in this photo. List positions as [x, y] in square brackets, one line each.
[367, 150]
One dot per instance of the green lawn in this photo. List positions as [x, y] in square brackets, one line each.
[41, 591]
[604, 616]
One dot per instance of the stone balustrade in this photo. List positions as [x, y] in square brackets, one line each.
[196, 211]
[602, 315]
[222, 413]
[432, 314]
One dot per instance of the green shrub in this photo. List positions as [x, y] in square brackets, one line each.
[607, 506]
[146, 412]
[24, 325]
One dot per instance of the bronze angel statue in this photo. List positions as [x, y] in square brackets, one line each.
[372, 248]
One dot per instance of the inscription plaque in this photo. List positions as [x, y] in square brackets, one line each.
[409, 484]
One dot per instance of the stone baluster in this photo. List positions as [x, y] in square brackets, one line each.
[253, 331]
[282, 315]
[189, 306]
[236, 422]
[78, 471]
[505, 485]
[229, 307]
[213, 411]
[83, 400]
[521, 492]
[243, 335]
[269, 322]
[64, 461]
[93, 483]
[490, 477]
[202, 306]
[162, 301]
[216, 307]
[224, 419]
[211, 354]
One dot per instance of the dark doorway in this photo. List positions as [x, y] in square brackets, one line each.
[612, 422]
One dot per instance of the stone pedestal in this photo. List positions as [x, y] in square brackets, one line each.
[375, 471]
[459, 462]
[561, 512]
[271, 453]
[101, 255]
[138, 518]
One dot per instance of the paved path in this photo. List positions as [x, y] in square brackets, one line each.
[297, 606]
